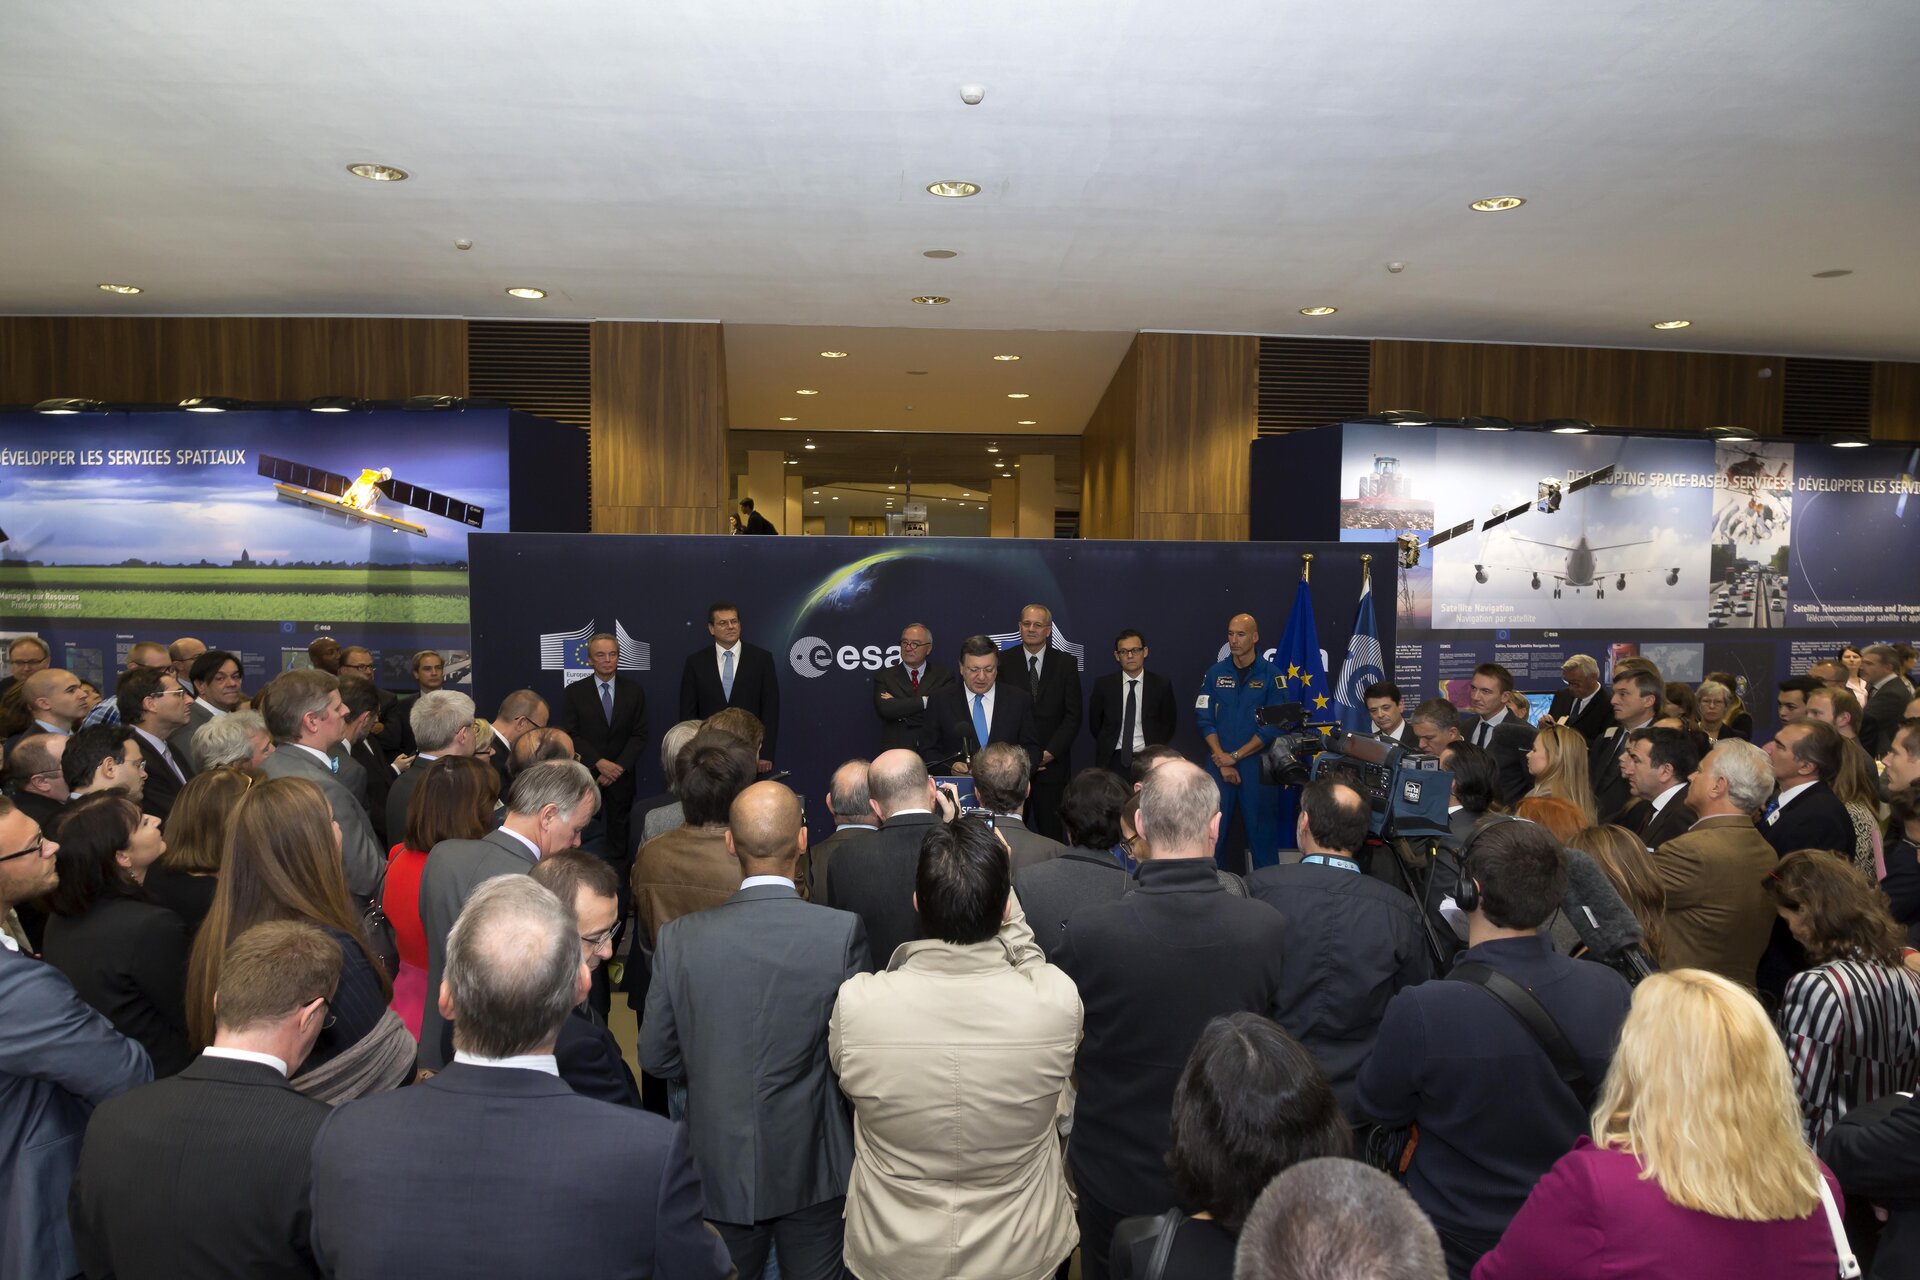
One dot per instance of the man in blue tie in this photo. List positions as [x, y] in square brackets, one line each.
[967, 716]
[606, 716]
[732, 673]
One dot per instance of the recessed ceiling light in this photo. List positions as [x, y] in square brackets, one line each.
[806, 391]
[809, 445]
[1497, 204]
[793, 462]
[835, 497]
[1834, 274]
[1006, 358]
[1318, 311]
[377, 172]
[1018, 395]
[1672, 324]
[333, 404]
[1026, 422]
[931, 300]
[528, 292]
[816, 493]
[788, 418]
[938, 253]
[993, 447]
[67, 405]
[953, 190]
[892, 487]
[209, 404]
[1730, 434]
[1571, 429]
[999, 462]
[121, 288]
[1850, 440]
[834, 355]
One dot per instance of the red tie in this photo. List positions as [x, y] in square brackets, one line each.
[915, 677]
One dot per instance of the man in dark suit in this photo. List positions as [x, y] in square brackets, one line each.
[1000, 785]
[549, 807]
[752, 521]
[1635, 702]
[520, 711]
[1152, 970]
[852, 808]
[429, 673]
[216, 681]
[373, 777]
[1875, 1153]
[1887, 696]
[732, 673]
[742, 990]
[606, 716]
[872, 875]
[1052, 676]
[900, 693]
[494, 1166]
[979, 702]
[588, 1055]
[1386, 708]
[1582, 706]
[1663, 761]
[307, 719]
[38, 788]
[1493, 727]
[1806, 814]
[234, 1138]
[1131, 709]
[441, 723]
[25, 655]
[155, 706]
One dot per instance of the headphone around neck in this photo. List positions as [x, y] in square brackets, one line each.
[1467, 894]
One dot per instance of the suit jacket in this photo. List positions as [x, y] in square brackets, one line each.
[1814, 819]
[621, 740]
[590, 1061]
[1611, 794]
[1107, 711]
[1594, 718]
[59, 1059]
[502, 758]
[818, 857]
[396, 723]
[686, 870]
[1718, 917]
[182, 740]
[1027, 848]
[400, 796]
[1509, 743]
[754, 689]
[372, 759]
[360, 852]
[42, 809]
[128, 959]
[546, 1183]
[903, 721]
[1875, 1153]
[950, 709]
[353, 776]
[873, 877]
[1672, 822]
[455, 868]
[236, 1141]
[1402, 736]
[1880, 718]
[741, 996]
[162, 786]
[1056, 705]
[1053, 890]
[757, 523]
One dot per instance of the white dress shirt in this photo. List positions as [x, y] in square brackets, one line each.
[1786, 798]
[211, 709]
[986, 706]
[159, 753]
[509, 831]
[1133, 684]
[1491, 722]
[1660, 801]
[523, 1062]
[751, 881]
[245, 1055]
[720, 653]
[315, 752]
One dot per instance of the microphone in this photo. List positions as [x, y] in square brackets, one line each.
[1596, 911]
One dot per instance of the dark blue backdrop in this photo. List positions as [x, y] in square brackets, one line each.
[830, 610]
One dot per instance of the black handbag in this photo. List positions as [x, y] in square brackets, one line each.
[1160, 1228]
[378, 930]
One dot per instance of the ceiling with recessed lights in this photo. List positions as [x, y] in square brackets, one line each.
[1156, 165]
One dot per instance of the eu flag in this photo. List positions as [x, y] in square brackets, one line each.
[1363, 667]
[1302, 674]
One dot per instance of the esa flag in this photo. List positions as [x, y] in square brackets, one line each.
[1364, 666]
[1302, 673]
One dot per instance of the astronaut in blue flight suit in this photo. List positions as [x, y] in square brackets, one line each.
[1232, 690]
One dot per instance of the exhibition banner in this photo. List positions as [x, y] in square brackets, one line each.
[830, 610]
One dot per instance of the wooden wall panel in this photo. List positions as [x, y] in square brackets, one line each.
[1896, 401]
[1198, 412]
[1188, 526]
[1658, 390]
[659, 428]
[160, 359]
[1107, 457]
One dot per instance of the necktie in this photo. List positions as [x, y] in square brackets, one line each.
[980, 718]
[1486, 731]
[915, 677]
[1126, 728]
[168, 757]
[333, 764]
[726, 674]
[606, 700]
[1033, 674]
[1773, 811]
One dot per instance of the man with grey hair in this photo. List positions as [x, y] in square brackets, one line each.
[239, 737]
[520, 711]
[498, 1132]
[657, 815]
[1332, 1219]
[851, 806]
[1718, 917]
[1153, 968]
[1580, 706]
[442, 725]
[1886, 700]
[900, 692]
[307, 719]
[547, 809]
[1002, 780]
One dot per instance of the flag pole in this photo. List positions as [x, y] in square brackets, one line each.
[1366, 569]
[1306, 566]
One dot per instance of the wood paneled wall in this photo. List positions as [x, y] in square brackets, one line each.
[160, 359]
[1658, 390]
[1896, 401]
[1165, 453]
[659, 428]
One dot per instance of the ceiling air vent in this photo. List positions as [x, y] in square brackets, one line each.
[1310, 382]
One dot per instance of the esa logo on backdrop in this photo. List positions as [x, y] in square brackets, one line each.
[811, 657]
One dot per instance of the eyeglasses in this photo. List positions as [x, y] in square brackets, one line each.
[594, 941]
[916, 644]
[36, 847]
[1132, 652]
[173, 693]
[331, 1017]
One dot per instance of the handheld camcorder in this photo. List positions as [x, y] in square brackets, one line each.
[1406, 791]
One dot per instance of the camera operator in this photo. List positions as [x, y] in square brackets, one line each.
[1352, 941]
[1492, 1109]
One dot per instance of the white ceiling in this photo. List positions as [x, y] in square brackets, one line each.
[1208, 166]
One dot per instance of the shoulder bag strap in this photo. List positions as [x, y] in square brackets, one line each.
[1171, 1220]
[1532, 1015]
[1849, 1265]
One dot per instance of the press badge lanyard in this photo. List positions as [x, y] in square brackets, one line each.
[1329, 860]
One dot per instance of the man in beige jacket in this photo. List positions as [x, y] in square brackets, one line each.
[955, 1058]
[1718, 917]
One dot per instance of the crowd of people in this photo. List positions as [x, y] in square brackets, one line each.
[314, 980]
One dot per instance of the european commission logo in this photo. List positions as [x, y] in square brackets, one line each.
[566, 651]
[1008, 639]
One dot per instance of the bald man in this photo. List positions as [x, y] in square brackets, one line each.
[55, 701]
[1052, 676]
[149, 655]
[180, 656]
[750, 983]
[1231, 692]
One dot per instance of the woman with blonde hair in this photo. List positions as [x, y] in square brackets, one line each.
[283, 863]
[1697, 1168]
[184, 879]
[1624, 860]
[1852, 1022]
[1558, 763]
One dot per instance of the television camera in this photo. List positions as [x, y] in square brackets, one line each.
[1406, 792]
